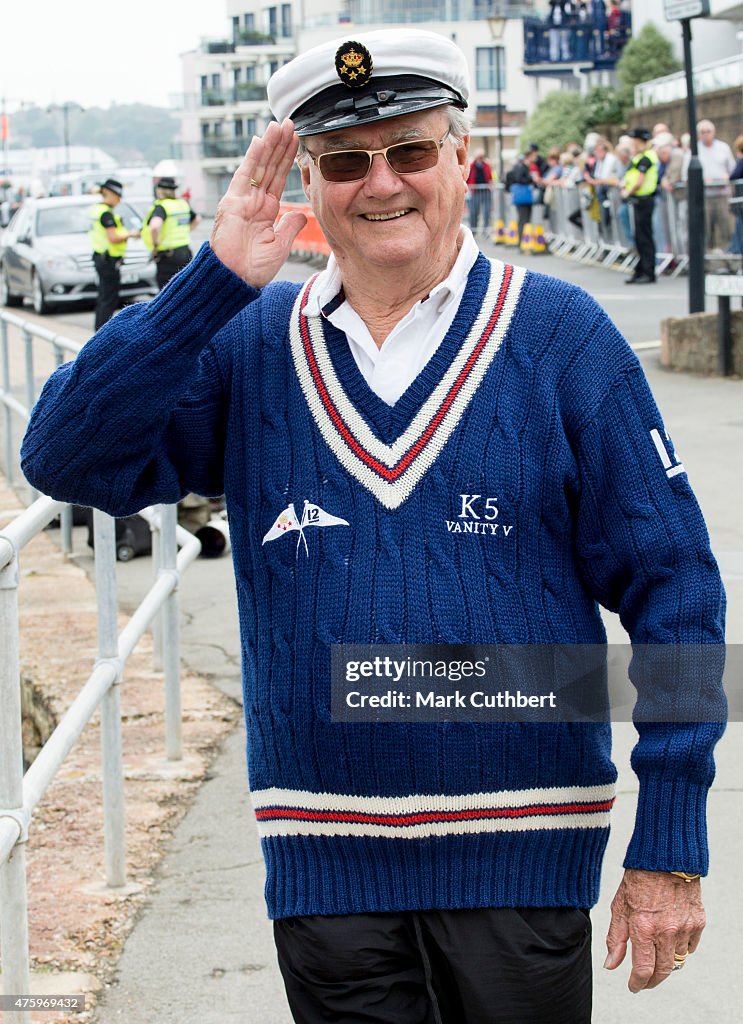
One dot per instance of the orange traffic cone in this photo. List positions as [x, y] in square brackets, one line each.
[512, 234]
[499, 235]
[526, 242]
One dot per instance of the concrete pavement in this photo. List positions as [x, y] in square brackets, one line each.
[202, 949]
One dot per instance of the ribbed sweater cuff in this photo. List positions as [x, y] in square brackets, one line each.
[670, 827]
[201, 299]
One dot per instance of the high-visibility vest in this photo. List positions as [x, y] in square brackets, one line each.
[99, 236]
[650, 185]
[176, 229]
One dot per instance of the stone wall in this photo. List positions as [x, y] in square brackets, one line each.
[690, 342]
[722, 107]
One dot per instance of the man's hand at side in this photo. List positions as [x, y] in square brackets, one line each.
[661, 915]
[245, 236]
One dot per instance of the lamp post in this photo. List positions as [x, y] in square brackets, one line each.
[684, 11]
[497, 28]
[65, 107]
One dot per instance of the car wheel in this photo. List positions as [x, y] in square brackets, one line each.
[38, 299]
[7, 298]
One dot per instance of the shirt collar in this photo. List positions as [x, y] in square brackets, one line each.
[327, 292]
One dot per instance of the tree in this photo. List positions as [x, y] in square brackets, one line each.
[561, 117]
[646, 56]
[131, 133]
[603, 106]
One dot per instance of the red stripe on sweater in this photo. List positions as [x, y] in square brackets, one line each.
[406, 459]
[422, 818]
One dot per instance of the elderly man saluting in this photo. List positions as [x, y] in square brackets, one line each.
[408, 397]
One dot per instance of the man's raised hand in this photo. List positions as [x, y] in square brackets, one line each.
[245, 236]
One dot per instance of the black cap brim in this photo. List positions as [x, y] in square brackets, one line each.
[382, 98]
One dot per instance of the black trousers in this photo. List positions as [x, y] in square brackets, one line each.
[109, 284]
[169, 263]
[485, 966]
[524, 216]
[644, 240]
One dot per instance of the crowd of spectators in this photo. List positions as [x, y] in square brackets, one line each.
[589, 171]
[575, 30]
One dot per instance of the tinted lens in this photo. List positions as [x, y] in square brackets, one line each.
[404, 158]
[348, 166]
[409, 157]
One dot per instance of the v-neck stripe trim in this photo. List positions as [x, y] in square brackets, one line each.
[391, 472]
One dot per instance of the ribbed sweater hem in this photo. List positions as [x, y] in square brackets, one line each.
[324, 875]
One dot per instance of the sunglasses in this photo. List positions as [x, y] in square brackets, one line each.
[403, 158]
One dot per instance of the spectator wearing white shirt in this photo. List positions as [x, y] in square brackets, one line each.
[604, 174]
[717, 162]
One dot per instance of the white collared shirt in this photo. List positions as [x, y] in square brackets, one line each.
[390, 370]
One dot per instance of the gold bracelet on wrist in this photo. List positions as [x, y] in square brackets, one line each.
[687, 876]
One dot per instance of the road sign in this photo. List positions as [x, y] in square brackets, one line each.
[678, 10]
[723, 284]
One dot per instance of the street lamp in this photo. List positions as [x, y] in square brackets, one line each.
[65, 107]
[497, 28]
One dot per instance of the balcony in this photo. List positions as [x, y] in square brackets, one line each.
[243, 92]
[575, 45]
[249, 37]
[224, 149]
[374, 12]
[217, 46]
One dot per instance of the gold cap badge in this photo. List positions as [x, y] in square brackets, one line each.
[354, 64]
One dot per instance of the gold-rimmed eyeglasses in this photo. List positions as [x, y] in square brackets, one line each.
[403, 158]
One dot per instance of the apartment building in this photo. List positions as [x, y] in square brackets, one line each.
[224, 80]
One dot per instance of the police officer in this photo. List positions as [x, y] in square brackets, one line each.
[108, 237]
[167, 230]
[639, 186]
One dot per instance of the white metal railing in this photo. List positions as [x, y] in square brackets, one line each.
[62, 348]
[594, 225]
[719, 74]
[19, 793]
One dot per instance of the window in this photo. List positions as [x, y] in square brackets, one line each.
[237, 74]
[252, 126]
[235, 29]
[286, 19]
[238, 128]
[273, 67]
[271, 16]
[490, 65]
[250, 73]
[216, 81]
[249, 21]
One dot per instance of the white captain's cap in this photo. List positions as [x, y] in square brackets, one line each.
[371, 77]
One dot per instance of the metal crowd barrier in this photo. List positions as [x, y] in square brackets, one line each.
[20, 793]
[597, 227]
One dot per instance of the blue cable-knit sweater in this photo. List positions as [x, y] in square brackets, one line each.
[534, 403]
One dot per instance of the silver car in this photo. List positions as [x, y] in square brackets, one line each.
[45, 255]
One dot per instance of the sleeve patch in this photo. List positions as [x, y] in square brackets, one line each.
[667, 453]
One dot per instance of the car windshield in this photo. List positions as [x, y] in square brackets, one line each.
[75, 219]
[63, 220]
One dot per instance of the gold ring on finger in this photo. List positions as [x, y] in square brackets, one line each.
[254, 183]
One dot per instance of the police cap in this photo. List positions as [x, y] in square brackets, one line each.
[640, 133]
[113, 186]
